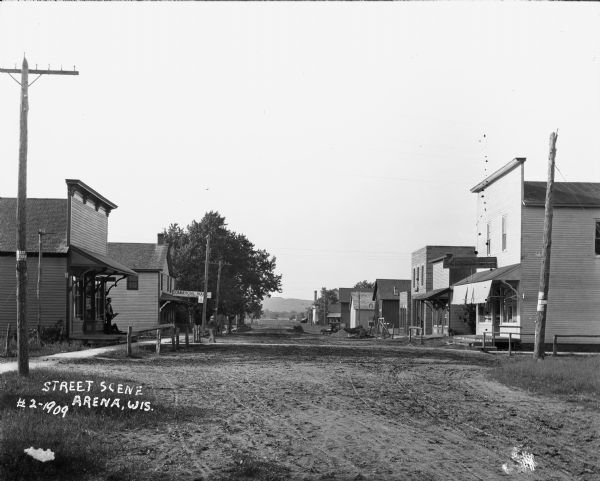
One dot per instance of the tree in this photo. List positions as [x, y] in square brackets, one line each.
[364, 285]
[248, 274]
[327, 297]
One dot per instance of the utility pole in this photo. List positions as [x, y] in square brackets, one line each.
[218, 288]
[540, 324]
[39, 284]
[21, 254]
[204, 299]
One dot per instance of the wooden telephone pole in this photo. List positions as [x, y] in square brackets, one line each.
[204, 299]
[21, 254]
[540, 324]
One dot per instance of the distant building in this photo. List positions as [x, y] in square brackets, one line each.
[345, 294]
[387, 295]
[362, 308]
[510, 219]
[422, 282]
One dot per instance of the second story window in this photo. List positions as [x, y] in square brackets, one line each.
[132, 283]
[396, 290]
[422, 275]
[488, 240]
[417, 276]
[503, 233]
[597, 243]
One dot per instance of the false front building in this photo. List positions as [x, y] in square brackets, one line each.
[510, 222]
[71, 235]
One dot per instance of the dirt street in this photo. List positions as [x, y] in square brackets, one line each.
[338, 409]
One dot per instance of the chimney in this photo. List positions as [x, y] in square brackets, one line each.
[160, 238]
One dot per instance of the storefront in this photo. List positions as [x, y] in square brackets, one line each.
[495, 295]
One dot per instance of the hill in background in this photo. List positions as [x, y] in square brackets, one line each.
[279, 304]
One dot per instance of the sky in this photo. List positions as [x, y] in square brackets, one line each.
[339, 137]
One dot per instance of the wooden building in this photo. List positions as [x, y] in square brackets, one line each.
[146, 299]
[362, 308]
[422, 313]
[75, 270]
[386, 294]
[449, 319]
[345, 296]
[510, 219]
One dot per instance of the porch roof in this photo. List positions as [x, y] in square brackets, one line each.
[434, 294]
[506, 273]
[84, 259]
[165, 296]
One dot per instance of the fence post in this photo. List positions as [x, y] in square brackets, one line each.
[158, 340]
[422, 329]
[555, 346]
[409, 335]
[177, 338]
[509, 344]
[129, 332]
[187, 335]
[172, 338]
[493, 337]
[7, 345]
[484, 340]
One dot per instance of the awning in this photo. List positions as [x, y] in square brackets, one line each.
[82, 259]
[479, 292]
[460, 294]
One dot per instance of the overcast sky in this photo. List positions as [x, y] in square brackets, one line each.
[339, 137]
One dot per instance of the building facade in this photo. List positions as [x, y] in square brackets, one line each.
[71, 235]
[510, 220]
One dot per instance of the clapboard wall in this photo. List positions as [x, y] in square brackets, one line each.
[137, 308]
[88, 224]
[52, 295]
[574, 273]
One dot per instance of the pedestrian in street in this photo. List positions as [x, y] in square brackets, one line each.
[212, 326]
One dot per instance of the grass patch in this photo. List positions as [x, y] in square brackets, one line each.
[568, 376]
[45, 349]
[79, 438]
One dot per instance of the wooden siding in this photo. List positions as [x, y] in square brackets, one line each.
[89, 227]
[423, 257]
[390, 312]
[137, 308]
[501, 198]
[53, 292]
[574, 273]
[441, 276]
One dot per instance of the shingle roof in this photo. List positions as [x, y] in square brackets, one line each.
[384, 288]
[49, 215]
[564, 194]
[139, 256]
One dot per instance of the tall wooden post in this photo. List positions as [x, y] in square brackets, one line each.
[204, 299]
[21, 254]
[218, 289]
[540, 324]
[39, 284]
[22, 336]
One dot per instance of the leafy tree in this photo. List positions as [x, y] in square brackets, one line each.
[247, 276]
[364, 285]
[327, 297]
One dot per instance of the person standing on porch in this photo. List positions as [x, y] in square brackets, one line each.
[108, 316]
